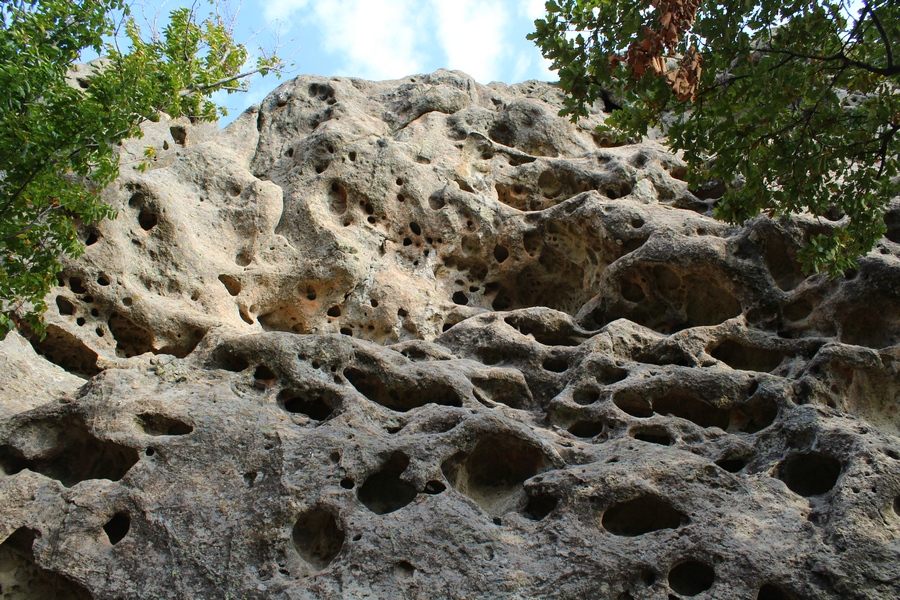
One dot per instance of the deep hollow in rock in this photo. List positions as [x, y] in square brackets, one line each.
[689, 406]
[641, 515]
[156, 424]
[493, 473]
[809, 473]
[30, 580]
[131, 338]
[652, 435]
[771, 592]
[384, 492]
[747, 358]
[65, 350]
[317, 537]
[68, 452]
[405, 394]
[540, 505]
[314, 406]
[117, 527]
[691, 577]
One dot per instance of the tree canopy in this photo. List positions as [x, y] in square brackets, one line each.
[795, 104]
[58, 142]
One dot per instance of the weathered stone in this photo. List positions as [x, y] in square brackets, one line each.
[426, 339]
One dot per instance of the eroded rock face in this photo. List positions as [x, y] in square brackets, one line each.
[424, 338]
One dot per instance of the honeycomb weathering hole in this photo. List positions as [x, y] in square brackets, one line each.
[405, 395]
[691, 577]
[810, 474]
[117, 527]
[384, 492]
[75, 455]
[314, 406]
[155, 424]
[317, 537]
[747, 358]
[493, 473]
[30, 580]
[687, 406]
[771, 592]
[641, 515]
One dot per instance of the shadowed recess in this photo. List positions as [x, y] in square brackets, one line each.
[641, 515]
[63, 448]
[747, 358]
[402, 394]
[156, 424]
[117, 527]
[539, 505]
[317, 537]
[22, 578]
[384, 492]
[492, 474]
[313, 405]
[810, 473]
[691, 577]
[772, 592]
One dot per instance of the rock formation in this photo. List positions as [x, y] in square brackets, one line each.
[426, 339]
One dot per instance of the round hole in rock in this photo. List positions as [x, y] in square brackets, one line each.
[384, 492]
[691, 577]
[117, 527]
[586, 429]
[609, 374]
[637, 222]
[652, 435]
[556, 365]
[641, 515]
[632, 291]
[92, 239]
[127, 301]
[95, 312]
[64, 306]
[414, 227]
[585, 396]
[315, 407]
[896, 506]
[810, 473]
[88, 298]
[263, 373]
[242, 259]
[540, 505]
[494, 472]
[148, 219]
[460, 298]
[80, 321]
[347, 483]
[334, 311]
[633, 404]
[434, 487]
[501, 253]
[232, 284]
[347, 331]
[102, 280]
[77, 285]
[732, 465]
[771, 592]
[317, 537]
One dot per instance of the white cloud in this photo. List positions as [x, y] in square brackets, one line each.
[532, 9]
[377, 39]
[472, 36]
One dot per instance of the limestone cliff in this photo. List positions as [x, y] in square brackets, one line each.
[425, 339]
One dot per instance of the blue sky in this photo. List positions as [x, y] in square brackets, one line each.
[379, 39]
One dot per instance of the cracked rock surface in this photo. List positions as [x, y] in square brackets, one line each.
[425, 339]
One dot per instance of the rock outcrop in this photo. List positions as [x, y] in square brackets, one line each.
[426, 339]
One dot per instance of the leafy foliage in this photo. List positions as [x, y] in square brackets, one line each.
[796, 103]
[58, 142]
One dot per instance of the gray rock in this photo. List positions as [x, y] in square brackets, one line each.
[426, 339]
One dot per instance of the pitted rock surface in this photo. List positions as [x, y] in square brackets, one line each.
[426, 339]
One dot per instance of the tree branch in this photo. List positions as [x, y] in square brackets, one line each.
[202, 88]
